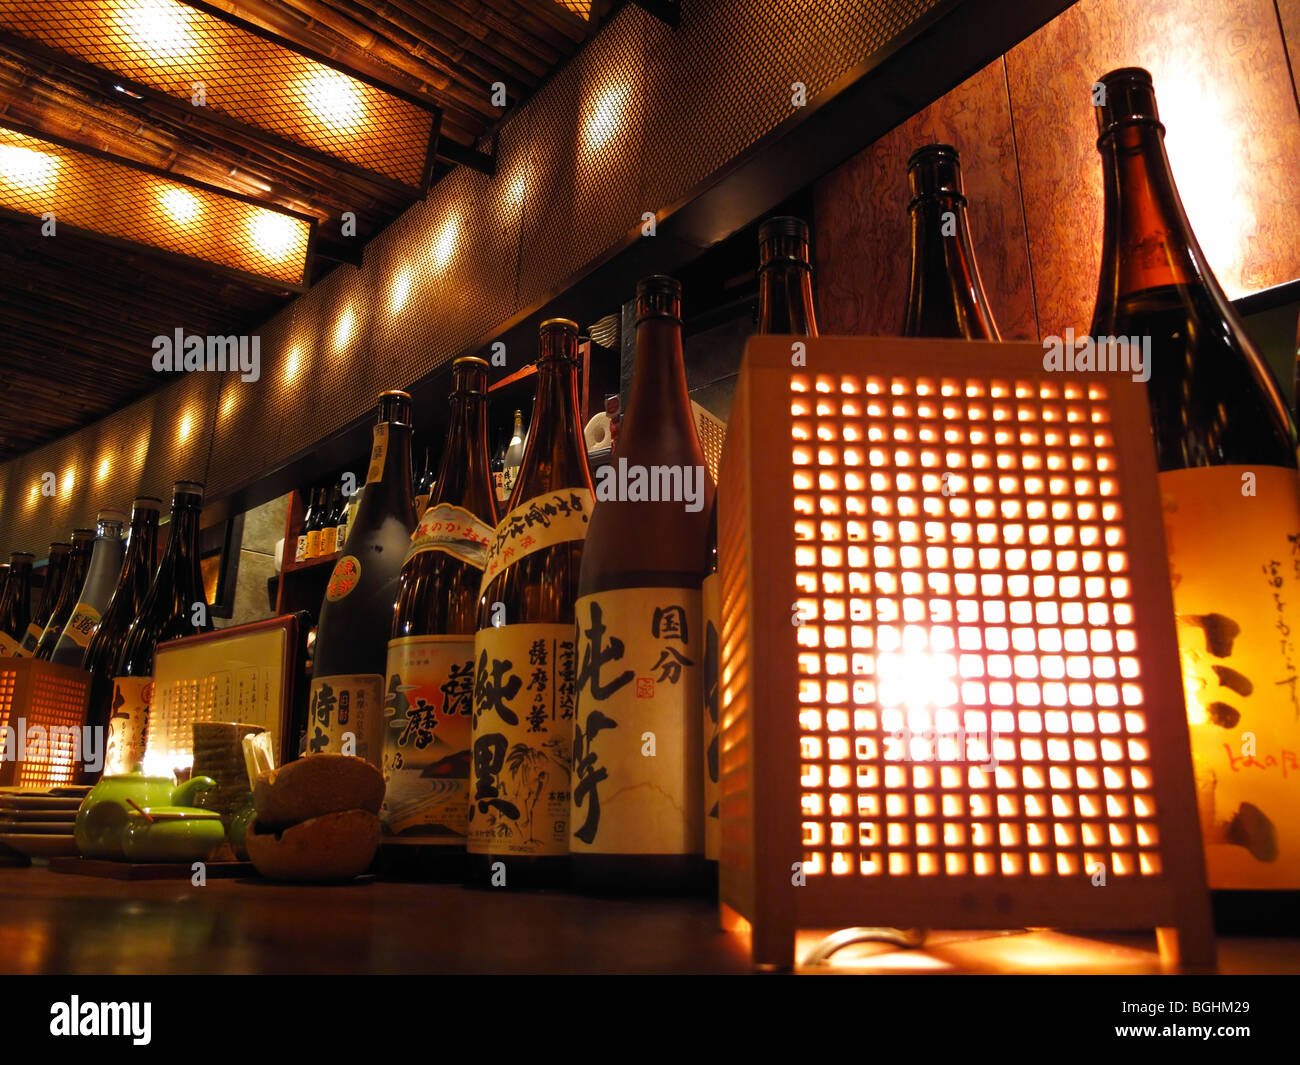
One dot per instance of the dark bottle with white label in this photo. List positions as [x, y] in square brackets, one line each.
[945, 296]
[525, 666]
[83, 543]
[173, 607]
[637, 816]
[429, 698]
[56, 568]
[330, 518]
[15, 602]
[1226, 449]
[100, 659]
[346, 710]
[101, 579]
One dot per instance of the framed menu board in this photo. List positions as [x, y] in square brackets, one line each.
[251, 674]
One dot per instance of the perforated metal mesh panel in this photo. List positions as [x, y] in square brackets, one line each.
[971, 694]
[180, 51]
[641, 117]
[975, 689]
[581, 8]
[39, 177]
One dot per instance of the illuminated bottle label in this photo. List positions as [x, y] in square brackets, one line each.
[523, 739]
[82, 625]
[346, 716]
[427, 710]
[128, 727]
[637, 779]
[1233, 535]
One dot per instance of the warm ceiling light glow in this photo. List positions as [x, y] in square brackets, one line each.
[446, 243]
[39, 176]
[292, 363]
[159, 27]
[228, 403]
[185, 428]
[602, 119]
[343, 329]
[69, 479]
[401, 290]
[105, 464]
[27, 168]
[273, 234]
[333, 98]
[183, 206]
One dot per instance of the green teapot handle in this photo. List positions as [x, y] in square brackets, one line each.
[183, 794]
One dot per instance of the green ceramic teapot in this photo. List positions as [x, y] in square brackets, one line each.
[102, 818]
[171, 834]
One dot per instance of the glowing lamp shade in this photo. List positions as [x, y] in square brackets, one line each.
[949, 675]
[42, 708]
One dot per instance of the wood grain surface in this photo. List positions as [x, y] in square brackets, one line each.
[1026, 131]
[863, 232]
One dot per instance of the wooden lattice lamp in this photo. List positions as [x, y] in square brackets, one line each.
[950, 685]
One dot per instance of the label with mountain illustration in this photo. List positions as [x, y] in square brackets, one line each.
[427, 713]
[522, 740]
[1233, 534]
[637, 776]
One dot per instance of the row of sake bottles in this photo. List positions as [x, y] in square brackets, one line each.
[539, 681]
[105, 606]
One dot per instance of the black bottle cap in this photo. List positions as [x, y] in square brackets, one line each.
[934, 170]
[82, 535]
[659, 296]
[783, 239]
[1124, 97]
[21, 557]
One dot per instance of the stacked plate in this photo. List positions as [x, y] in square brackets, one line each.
[39, 823]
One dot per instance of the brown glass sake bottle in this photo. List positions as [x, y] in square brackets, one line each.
[100, 659]
[83, 545]
[346, 710]
[173, 607]
[430, 691]
[945, 297]
[637, 818]
[16, 603]
[525, 665]
[1226, 447]
[55, 569]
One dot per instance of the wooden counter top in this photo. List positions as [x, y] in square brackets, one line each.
[58, 923]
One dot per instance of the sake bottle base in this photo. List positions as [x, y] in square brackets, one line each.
[644, 875]
[516, 872]
[1256, 913]
[421, 862]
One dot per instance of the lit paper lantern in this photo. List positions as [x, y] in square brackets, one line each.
[950, 682]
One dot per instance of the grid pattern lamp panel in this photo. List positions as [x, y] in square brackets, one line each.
[980, 654]
[42, 709]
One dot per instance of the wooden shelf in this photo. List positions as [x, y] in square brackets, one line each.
[293, 566]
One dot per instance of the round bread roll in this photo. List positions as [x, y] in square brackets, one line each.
[316, 785]
[337, 846]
